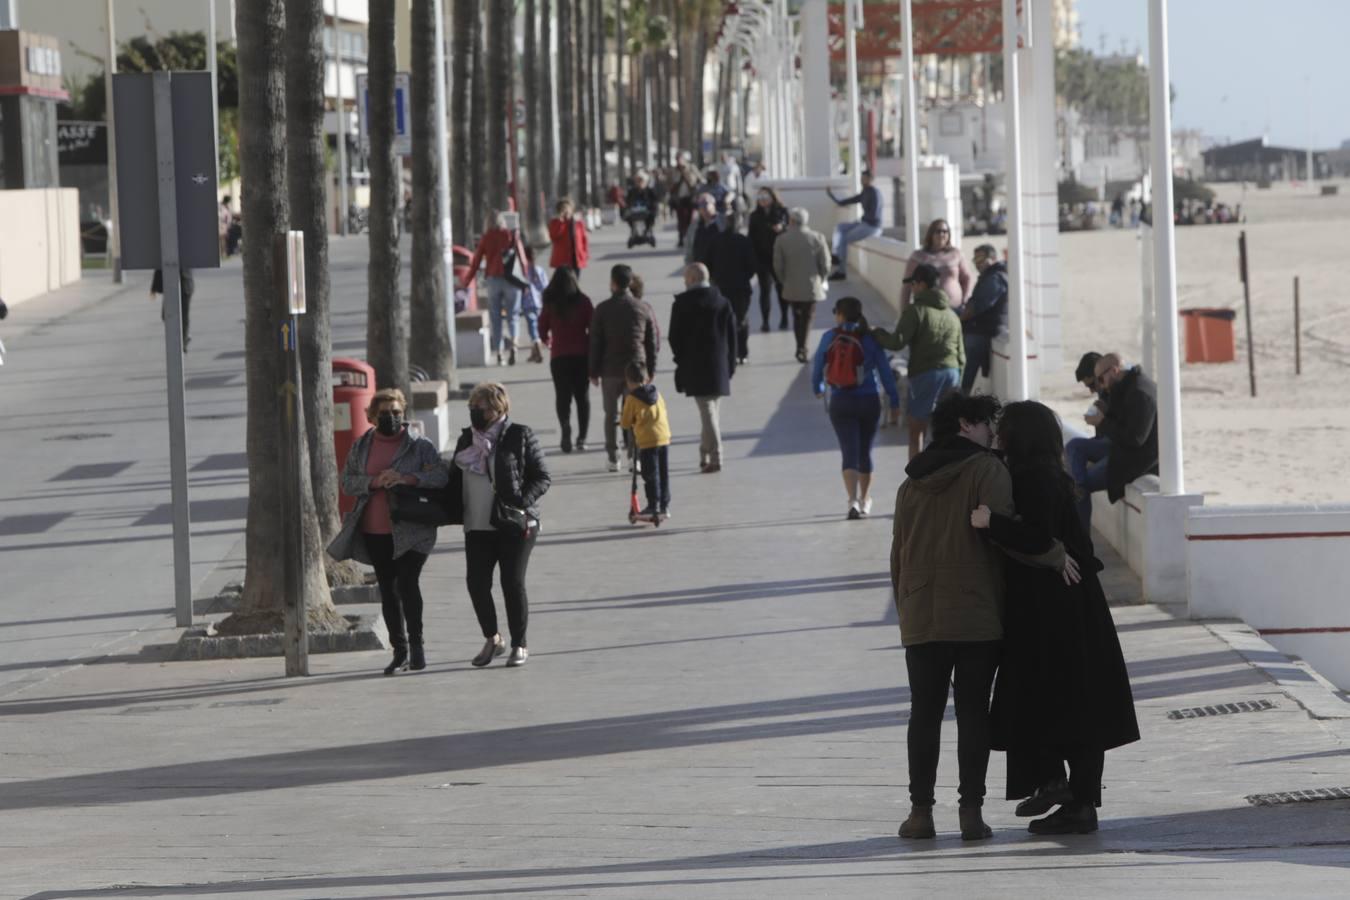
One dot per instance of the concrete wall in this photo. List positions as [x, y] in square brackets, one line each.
[39, 242]
[809, 193]
[1281, 569]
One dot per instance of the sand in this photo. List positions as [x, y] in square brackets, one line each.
[1290, 443]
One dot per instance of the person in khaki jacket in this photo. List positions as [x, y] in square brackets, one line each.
[801, 262]
[949, 584]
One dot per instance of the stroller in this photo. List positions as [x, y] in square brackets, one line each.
[635, 514]
[639, 218]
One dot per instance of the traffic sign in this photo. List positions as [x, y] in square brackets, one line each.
[402, 111]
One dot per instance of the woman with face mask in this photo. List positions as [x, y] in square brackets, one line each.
[498, 470]
[767, 222]
[382, 458]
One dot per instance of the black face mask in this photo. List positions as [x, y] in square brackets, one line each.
[478, 418]
[389, 423]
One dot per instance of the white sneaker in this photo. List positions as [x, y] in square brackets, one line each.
[866, 507]
[854, 511]
[612, 466]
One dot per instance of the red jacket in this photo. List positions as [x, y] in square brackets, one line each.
[563, 244]
[570, 336]
[494, 243]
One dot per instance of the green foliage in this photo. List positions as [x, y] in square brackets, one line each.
[1186, 189]
[1073, 192]
[1108, 92]
[181, 50]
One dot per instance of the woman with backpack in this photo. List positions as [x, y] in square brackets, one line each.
[853, 366]
[565, 326]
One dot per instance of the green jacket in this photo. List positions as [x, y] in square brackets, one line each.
[932, 332]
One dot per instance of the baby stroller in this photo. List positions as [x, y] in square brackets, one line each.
[639, 218]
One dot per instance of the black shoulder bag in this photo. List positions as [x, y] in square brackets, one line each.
[510, 520]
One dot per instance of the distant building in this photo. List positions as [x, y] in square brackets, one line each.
[1256, 160]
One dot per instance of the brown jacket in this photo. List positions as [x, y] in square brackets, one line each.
[948, 575]
[623, 331]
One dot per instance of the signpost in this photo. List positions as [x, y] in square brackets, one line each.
[289, 266]
[167, 220]
[402, 128]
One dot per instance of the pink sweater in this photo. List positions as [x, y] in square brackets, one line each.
[954, 277]
[375, 519]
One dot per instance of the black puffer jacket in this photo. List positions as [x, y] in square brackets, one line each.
[518, 472]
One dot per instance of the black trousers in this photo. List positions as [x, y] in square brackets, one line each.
[484, 551]
[802, 314]
[740, 305]
[931, 667]
[400, 593]
[570, 383]
[185, 306]
[1085, 770]
[656, 477]
[768, 285]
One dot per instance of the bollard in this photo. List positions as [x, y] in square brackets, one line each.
[1298, 347]
[1247, 305]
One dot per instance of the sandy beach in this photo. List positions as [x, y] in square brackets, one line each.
[1290, 443]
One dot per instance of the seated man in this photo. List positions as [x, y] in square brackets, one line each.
[846, 233]
[1079, 453]
[1129, 425]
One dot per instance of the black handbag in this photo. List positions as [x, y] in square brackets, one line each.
[432, 507]
[510, 520]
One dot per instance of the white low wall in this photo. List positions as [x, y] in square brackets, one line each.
[880, 262]
[809, 194]
[1284, 570]
[39, 242]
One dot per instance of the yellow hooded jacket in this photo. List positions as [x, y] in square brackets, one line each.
[644, 411]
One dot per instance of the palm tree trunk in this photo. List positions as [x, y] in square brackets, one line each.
[548, 171]
[386, 321]
[478, 132]
[598, 43]
[499, 115]
[429, 338]
[262, 89]
[585, 98]
[620, 99]
[566, 100]
[461, 200]
[534, 220]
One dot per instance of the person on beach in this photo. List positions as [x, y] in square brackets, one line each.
[623, 331]
[1130, 426]
[571, 246]
[768, 220]
[702, 340]
[853, 367]
[801, 262]
[384, 457]
[937, 351]
[984, 315]
[497, 247]
[948, 588]
[498, 471]
[732, 267]
[846, 233]
[565, 326]
[1062, 695]
[644, 413]
[954, 276]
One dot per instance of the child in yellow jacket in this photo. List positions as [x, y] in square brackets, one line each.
[644, 411]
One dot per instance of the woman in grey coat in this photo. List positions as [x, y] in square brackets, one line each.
[386, 456]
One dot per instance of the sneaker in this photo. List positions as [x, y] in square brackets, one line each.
[612, 466]
[665, 513]
[511, 358]
[854, 512]
[581, 446]
[865, 508]
[518, 657]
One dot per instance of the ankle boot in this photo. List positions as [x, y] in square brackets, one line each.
[400, 662]
[972, 825]
[919, 824]
[566, 438]
[419, 658]
[537, 353]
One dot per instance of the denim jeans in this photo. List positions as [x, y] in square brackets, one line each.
[849, 233]
[503, 300]
[656, 477]
[978, 349]
[1087, 461]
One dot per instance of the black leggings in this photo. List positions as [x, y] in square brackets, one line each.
[931, 667]
[768, 285]
[570, 383]
[484, 551]
[802, 314]
[400, 593]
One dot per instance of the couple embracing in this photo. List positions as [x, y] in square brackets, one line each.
[994, 575]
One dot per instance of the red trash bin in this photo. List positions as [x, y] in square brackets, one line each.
[353, 389]
[1209, 334]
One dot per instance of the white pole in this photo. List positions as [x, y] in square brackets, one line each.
[443, 191]
[1164, 257]
[341, 107]
[215, 78]
[910, 125]
[110, 69]
[853, 20]
[1017, 310]
[1307, 98]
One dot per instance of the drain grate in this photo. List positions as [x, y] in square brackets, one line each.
[1309, 796]
[1222, 709]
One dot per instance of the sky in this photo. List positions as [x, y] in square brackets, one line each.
[1243, 68]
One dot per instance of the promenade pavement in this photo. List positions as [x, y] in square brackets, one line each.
[712, 709]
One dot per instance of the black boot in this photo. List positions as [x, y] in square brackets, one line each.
[567, 437]
[1071, 818]
[400, 662]
[419, 658]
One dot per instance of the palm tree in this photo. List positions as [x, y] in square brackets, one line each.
[429, 346]
[534, 220]
[478, 132]
[547, 170]
[500, 117]
[625, 166]
[262, 90]
[386, 322]
[566, 99]
[585, 104]
[465, 13]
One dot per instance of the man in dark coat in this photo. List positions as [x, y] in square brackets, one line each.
[707, 226]
[702, 339]
[732, 267]
[984, 315]
[1130, 424]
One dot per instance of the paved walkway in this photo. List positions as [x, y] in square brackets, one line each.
[714, 709]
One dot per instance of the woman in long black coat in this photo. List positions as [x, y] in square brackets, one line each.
[1063, 693]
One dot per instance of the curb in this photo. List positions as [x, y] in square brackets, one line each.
[1300, 681]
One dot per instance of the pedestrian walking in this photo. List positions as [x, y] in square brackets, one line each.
[768, 220]
[932, 332]
[755, 179]
[499, 473]
[644, 413]
[623, 331]
[984, 315]
[565, 326]
[851, 365]
[383, 458]
[954, 276]
[948, 588]
[732, 267]
[683, 190]
[801, 262]
[187, 284]
[507, 275]
[714, 187]
[704, 233]
[1062, 695]
[703, 343]
[846, 233]
[224, 218]
[532, 304]
[571, 245]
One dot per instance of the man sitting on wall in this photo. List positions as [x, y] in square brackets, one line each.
[1130, 426]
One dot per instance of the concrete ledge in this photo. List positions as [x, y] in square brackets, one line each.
[367, 632]
[348, 594]
[1298, 679]
[880, 263]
